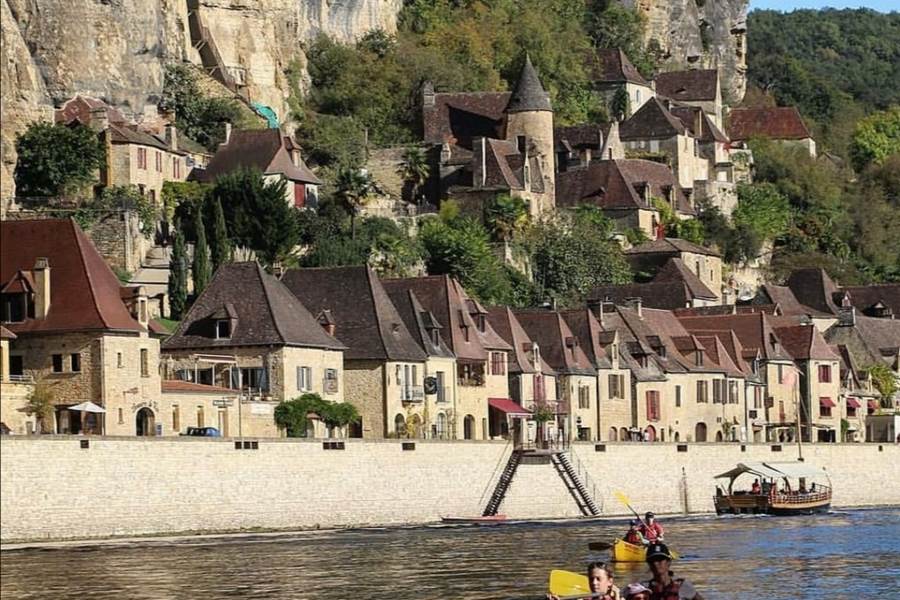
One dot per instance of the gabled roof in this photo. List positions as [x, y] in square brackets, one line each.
[754, 330]
[616, 67]
[692, 85]
[776, 122]
[675, 271]
[591, 336]
[866, 297]
[698, 123]
[419, 321]
[528, 95]
[267, 314]
[574, 137]
[508, 327]
[631, 342]
[84, 292]
[559, 346]
[868, 339]
[665, 295]
[804, 342]
[671, 246]
[262, 149]
[784, 298]
[814, 288]
[652, 120]
[463, 116]
[364, 316]
[6, 334]
[130, 134]
[655, 329]
[78, 108]
[717, 352]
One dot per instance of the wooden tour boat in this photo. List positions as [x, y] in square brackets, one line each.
[786, 488]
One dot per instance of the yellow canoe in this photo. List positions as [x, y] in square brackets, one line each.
[622, 551]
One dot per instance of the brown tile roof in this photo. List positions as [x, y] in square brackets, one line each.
[699, 311]
[656, 329]
[419, 321]
[263, 149]
[866, 297]
[79, 108]
[614, 184]
[804, 342]
[665, 295]
[652, 120]
[671, 246]
[754, 330]
[130, 134]
[591, 335]
[365, 318]
[776, 122]
[675, 271]
[814, 288]
[631, 343]
[717, 352]
[508, 327]
[528, 95]
[463, 116]
[615, 67]
[784, 298]
[6, 334]
[176, 386]
[559, 346]
[267, 314]
[696, 84]
[694, 118]
[84, 292]
[575, 137]
[869, 339]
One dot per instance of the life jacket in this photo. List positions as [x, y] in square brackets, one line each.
[669, 592]
[633, 537]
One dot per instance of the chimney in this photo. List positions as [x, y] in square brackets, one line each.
[428, 95]
[41, 274]
[172, 137]
[635, 304]
[326, 320]
[99, 119]
[227, 132]
[847, 317]
[479, 162]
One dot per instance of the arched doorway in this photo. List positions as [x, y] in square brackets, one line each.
[145, 422]
[719, 436]
[677, 437]
[650, 433]
[613, 434]
[400, 426]
[469, 427]
[623, 435]
[700, 432]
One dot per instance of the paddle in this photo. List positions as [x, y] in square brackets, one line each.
[624, 500]
[599, 545]
[568, 585]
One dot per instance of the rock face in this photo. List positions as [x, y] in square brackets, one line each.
[117, 50]
[701, 34]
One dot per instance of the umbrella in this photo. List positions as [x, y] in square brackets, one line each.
[88, 407]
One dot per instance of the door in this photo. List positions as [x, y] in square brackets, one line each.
[144, 422]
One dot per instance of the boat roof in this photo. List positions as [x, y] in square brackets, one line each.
[773, 470]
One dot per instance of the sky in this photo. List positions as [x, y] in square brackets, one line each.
[788, 5]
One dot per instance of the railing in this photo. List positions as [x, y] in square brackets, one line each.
[802, 497]
[503, 460]
[582, 471]
[412, 393]
[21, 378]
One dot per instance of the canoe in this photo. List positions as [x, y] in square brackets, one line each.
[622, 551]
[493, 519]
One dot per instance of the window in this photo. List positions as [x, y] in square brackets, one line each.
[176, 418]
[851, 410]
[159, 161]
[415, 375]
[584, 397]
[824, 409]
[223, 329]
[498, 363]
[57, 363]
[465, 329]
[732, 392]
[637, 97]
[15, 308]
[780, 373]
[617, 386]
[399, 375]
[702, 392]
[200, 417]
[653, 406]
[16, 365]
[825, 373]
[255, 378]
[304, 379]
[142, 158]
[121, 416]
[76, 363]
[145, 362]
[717, 391]
[176, 167]
[677, 396]
[331, 381]
[757, 397]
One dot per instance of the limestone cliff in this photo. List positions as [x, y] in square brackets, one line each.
[117, 49]
[701, 33]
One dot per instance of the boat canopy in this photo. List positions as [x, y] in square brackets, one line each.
[774, 470]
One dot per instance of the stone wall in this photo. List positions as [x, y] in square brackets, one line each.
[159, 485]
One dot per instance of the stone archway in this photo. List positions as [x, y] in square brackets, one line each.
[700, 432]
[650, 433]
[613, 434]
[145, 422]
[623, 435]
[719, 436]
[469, 427]
[400, 426]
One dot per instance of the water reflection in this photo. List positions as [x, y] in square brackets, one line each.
[855, 552]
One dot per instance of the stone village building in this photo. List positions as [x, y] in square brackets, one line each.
[780, 123]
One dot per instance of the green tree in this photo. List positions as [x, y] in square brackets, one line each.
[198, 116]
[337, 415]
[505, 216]
[220, 248]
[415, 171]
[40, 403]
[178, 270]
[292, 415]
[620, 105]
[56, 160]
[764, 209]
[180, 200]
[351, 191]
[876, 137]
[200, 266]
[885, 382]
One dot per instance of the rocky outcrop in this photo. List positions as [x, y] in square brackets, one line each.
[700, 33]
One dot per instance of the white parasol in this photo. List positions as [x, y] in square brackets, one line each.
[88, 407]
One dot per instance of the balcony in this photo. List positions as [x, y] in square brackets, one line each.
[412, 393]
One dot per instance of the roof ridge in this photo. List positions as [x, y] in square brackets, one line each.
[265, 289]
[87, 272]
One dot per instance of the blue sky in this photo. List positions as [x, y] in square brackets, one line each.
[788, 5]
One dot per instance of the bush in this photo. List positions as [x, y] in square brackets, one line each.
[56, 160]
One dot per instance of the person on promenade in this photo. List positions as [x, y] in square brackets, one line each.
[600, 580]
[634, 534]
[755, 488]
[664, 585]
[651, 529]
[637, 591]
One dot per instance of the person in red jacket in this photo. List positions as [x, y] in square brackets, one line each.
[634, 534]
[651, 529]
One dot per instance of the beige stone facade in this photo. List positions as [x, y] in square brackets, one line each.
[823, 405]
[579, 394]
[217, 408]
[146, 167]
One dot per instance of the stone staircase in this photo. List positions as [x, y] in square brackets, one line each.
[154, 275]
[502, 486]
[575, 485]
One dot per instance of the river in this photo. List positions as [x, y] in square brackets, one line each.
[843, 554]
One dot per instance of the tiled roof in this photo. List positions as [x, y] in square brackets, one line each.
[868, 339]
[670, 246]
[573, 137]
[419, 321]
[508, 327]
[697, 84]
[694, 118]
[616, 67]
[591, 335]
[463, 116]
[365, 318]
[174, 386]
[814, 288]
[79, 108]
[84, 292]
[263, 149]
[652, 120]
[675, 271]
[804, 342]
[528, 95]
[754, 330]
[559, 346]
[129, 134]
[267, 314]
[784, 298]
[6, 334]
[614, 184]
[776, 122]
[665, 295]
[865, 297]
[717, 352]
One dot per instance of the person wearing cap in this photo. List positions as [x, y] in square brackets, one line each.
[634, 534]
[664, 585]
[637, 591]
[651, 529]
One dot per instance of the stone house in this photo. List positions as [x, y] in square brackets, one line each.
[275, 155]
[696, 87]
[384, 366]
[578, 414]
[614, 71]
[655, 257]
[481, 354]
[580, 145]
[624, 190]
[673, 287]
[14, 392]
[248, 333]
[73, 331]
[532, 382]
[780, 123]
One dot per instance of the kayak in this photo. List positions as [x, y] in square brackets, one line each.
[622, 551]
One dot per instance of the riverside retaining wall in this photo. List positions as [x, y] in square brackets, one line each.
[53, 488]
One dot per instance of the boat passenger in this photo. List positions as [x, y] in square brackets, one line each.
[664, 585]
[634, 534]
[755, 488]
[651, 529]
[600, 581]
[637, 591]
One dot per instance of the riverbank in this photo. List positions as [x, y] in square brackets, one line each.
[53, 488]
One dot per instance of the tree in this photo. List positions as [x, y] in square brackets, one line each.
[178, 278]
[885, 382]
[505, 216]
[620, 105]
[292, 415]
[198, 116]
[764, 209]
[338, 415]
[40, 403]
[56, 159]
[542, 413]
[351, 191]
[200, 266]
[220, 248]
[414, 170]
[876, 137]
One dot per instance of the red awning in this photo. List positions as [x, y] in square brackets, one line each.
[853, 403]
[826, 402]
[873, 404]
[508, 406]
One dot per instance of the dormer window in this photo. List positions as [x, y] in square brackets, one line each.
[698, 358]
[223, 329]
[661, 350]
[16, 307]
[481, 323]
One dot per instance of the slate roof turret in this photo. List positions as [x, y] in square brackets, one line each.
[529, 94]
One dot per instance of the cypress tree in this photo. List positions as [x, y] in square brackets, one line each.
[220, 248]
[200, 266]
[178, 278]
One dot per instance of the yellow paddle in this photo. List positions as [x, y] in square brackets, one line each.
[566, 584]
[624, 500]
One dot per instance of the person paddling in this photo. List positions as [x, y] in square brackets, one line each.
[634, 534]
[651, 529]
[600, 581]
[664, 585]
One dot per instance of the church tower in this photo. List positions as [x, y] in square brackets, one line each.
[529, 124]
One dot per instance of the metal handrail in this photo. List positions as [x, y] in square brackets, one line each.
[586, 478]
[504, 459]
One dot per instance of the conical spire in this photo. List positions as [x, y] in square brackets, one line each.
[529, 94]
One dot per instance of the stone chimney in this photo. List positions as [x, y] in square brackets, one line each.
[428, 95]
[99, 119]
[635, 304]
[172, 137]
[479, 162]
[847, 317]
[41, 273]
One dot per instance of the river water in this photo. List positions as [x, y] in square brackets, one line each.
[843, 554]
